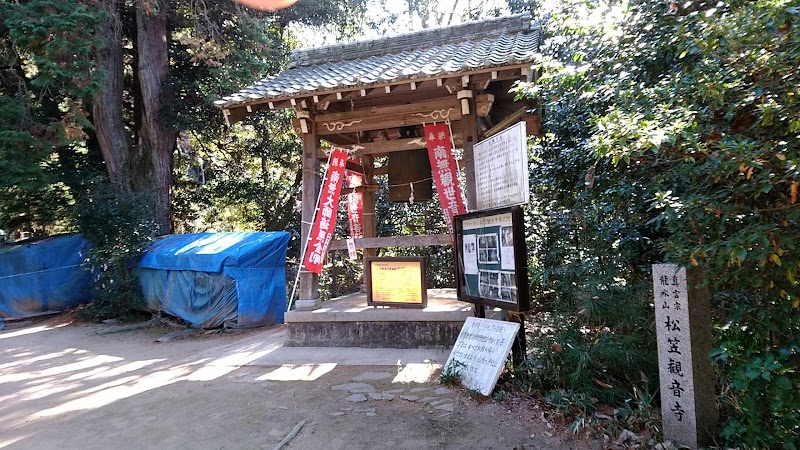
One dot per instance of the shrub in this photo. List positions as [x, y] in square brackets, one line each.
[118, 227]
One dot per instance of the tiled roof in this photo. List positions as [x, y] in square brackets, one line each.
[465, 48]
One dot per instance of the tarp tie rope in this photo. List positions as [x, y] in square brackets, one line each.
[39, 271]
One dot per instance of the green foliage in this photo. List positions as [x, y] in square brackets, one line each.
[25, 188]
[451, 373]
[116, 226]
[245, 179]
[671, 134]
[758, 354]
[56, 42]
[46, 75]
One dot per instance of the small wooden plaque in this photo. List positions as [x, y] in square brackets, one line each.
[396, 282]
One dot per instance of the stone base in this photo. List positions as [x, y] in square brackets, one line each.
[373, 334]
[348, 322]
[307, 305]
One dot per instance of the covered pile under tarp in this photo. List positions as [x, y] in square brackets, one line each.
[210, 279]
[43, 275]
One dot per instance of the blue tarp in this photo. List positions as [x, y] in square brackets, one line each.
[43, 275]
[211, 279]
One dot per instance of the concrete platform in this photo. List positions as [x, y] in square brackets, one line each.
[348, 322]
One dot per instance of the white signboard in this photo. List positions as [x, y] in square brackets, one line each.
[480, 352]
[501, 169]
[674, 350]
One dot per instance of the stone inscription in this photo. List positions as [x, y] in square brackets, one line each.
[480, 352]
[676, 373]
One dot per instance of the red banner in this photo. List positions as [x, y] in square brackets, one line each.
[355, 203]
[325, 222]
[445, 175]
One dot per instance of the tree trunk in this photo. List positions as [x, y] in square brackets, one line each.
[109, 125]
[152, 158]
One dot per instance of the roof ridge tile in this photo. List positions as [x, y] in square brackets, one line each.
[429, 38]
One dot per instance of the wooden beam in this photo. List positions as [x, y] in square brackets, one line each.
[422, 240]
[469, 128]
[399, 145]
[402, 95]
[368, 188]
[376, 111]
[452, 113]
[505, 123]
[397, 116]
[369, 206]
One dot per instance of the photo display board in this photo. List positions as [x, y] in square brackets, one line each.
[491, 259]
[396, 282]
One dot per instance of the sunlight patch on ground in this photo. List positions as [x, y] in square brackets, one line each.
[62, 369]
[210, 372]
[303, 372]
[102, 398]
[130, 367]
[23, 332]
[47, 389]
[104, 386]
[10, 441]
[31, 330]
[27, 360]
[416, 373]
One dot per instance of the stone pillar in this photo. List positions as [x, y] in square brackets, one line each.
[309, 281]
[683, 329]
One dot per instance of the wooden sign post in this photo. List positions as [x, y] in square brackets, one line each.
[683, 329]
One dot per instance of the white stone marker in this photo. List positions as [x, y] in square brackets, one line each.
[480, 352]
[683, 327]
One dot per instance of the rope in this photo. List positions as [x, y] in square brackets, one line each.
[39, 271]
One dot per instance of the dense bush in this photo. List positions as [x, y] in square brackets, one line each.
[671, 134]
[120, 229]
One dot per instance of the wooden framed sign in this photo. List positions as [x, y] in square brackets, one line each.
[491, 258]
[501, 169]
[397, 282]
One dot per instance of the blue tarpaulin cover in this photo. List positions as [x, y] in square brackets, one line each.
[43, 275]
[210, 279]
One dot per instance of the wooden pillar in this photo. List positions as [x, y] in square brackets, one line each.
[469, 129]
[309, 281]
[368, 196]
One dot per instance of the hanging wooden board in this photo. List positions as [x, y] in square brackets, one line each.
[408, 167]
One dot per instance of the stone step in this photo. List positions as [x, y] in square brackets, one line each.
[348, 322]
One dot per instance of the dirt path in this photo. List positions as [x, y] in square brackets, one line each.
[64, 386]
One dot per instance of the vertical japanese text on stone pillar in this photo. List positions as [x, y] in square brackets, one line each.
[674, 348]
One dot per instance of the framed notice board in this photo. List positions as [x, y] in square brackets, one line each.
[491, 258]
[396, 282]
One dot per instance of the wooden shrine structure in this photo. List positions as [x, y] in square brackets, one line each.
[374, 96]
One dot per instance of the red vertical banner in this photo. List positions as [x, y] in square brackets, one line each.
[445, 175]
[325, 221]
[355, 204]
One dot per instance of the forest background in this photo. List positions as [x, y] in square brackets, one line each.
[671, 132]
